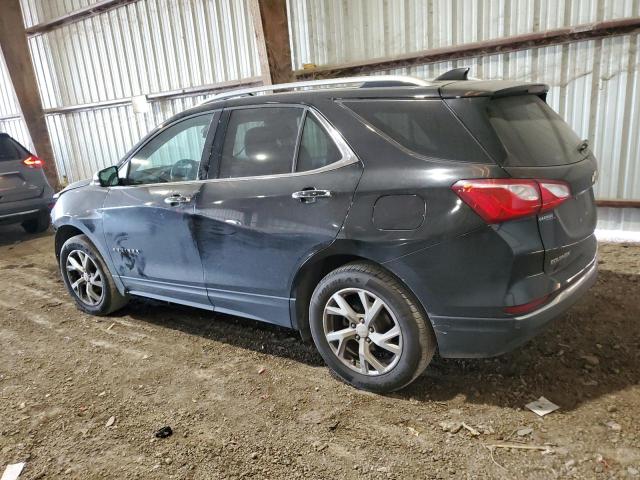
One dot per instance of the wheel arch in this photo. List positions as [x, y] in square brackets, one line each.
[315, 269]
[68, 230]
[64, 233]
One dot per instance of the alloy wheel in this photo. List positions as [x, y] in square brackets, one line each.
[84, 277]
[362, 331]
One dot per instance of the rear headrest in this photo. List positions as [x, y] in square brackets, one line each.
[258, 140]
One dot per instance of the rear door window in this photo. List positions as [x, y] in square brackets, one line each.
[317, 149]
[11, 150]
[260, 141]
[532, 133]
[425, 127]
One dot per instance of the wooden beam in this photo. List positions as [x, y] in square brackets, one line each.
[271, 26]
[618, 203]
[13, 43]
[487, 47]
[76, 15]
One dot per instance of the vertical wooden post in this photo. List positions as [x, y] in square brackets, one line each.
[271, 26]
[14, 46]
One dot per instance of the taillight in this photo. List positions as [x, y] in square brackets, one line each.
[553, 194]
[33, 162]
[498, 200]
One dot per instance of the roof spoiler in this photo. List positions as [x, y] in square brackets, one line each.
[492, 88]
[539, 89]
[455, 74]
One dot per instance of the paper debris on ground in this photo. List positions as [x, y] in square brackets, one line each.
[451, 426]
[472, 431]
[13, 471]
[521, 446]
[455, 427]
[542, 406]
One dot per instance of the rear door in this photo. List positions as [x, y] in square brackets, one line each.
[280, 188]
[18, 179]
[539, 144]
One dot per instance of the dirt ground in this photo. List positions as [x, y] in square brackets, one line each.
[247, 400]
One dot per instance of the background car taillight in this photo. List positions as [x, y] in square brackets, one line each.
[33, 162]
[498, 200]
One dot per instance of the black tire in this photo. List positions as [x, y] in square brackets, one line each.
[37, 224]
[418, 340]
[111, 299]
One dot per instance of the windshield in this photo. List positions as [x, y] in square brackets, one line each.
[532, 133]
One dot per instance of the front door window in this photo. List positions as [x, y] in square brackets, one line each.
[173, 155]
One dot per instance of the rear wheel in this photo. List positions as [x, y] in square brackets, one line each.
[369, 328]
[37, 224]
[88, 279]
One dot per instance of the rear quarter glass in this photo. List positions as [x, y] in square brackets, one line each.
[424, 127]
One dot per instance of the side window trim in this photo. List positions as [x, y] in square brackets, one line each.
[347, 155]
[296, 152]
[207, 150]
[204, 156]
[213, 170]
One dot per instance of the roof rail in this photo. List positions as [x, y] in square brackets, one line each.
[368, 81]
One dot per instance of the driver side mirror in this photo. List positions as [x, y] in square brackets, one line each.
[107, 177]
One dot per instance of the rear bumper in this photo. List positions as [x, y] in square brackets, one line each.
[465, 337]
[16, 212]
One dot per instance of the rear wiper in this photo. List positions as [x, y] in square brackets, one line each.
[582, 146]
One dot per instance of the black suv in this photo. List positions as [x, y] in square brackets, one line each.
[384, 219]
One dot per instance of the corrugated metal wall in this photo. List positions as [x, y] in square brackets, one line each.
[594, 84]
[11, 120]
[328, 32]
[111, 132]
[38, 11]
[155, 46]
[147, 47]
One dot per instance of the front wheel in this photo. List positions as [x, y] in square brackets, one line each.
[88, 279]
[369, 328]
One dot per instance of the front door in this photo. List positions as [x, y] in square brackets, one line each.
[285, 181]
[148, 221]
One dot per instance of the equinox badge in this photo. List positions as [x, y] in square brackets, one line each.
[127, 251]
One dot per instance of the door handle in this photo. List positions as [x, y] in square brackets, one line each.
[309, 195]
[176, 199]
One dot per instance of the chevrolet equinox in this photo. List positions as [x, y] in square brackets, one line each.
[382, 217]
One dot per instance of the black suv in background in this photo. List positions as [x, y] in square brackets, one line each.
[384, 219]
[25, 194]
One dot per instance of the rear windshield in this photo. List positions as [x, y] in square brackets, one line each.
[426, 127]
[11, 150]
[532, 133]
